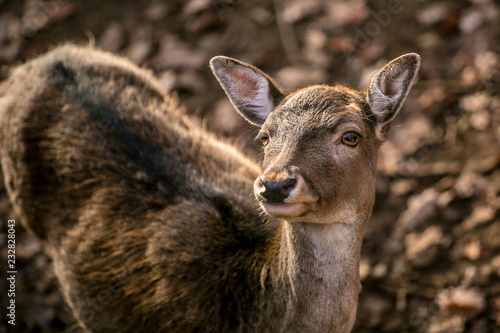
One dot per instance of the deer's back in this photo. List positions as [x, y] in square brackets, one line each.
[143, 212]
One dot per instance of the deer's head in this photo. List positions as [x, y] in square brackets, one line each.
[320, 142]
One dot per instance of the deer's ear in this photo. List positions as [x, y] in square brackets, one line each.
[253, 93]
[389, 88]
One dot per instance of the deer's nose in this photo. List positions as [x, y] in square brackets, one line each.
[276, 192]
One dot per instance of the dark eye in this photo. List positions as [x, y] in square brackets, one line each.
[264, 139]
[350, 138]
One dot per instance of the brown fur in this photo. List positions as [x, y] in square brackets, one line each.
[150, 220]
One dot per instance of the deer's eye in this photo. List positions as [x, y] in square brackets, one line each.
[351, 139]
[264, 139]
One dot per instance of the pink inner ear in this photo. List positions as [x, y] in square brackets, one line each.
[392, 83]
[246, 86]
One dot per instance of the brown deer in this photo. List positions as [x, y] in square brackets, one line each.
[150, 220]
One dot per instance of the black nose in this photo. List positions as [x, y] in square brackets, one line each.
[276, 192]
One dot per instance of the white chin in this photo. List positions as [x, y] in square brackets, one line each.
[286, 210]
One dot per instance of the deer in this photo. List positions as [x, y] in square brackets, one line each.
[154, 224]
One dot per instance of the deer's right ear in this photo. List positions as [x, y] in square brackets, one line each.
[253, 93]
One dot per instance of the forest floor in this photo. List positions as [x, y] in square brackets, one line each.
[431, 253]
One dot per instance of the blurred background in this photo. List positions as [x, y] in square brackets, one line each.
[431, 256]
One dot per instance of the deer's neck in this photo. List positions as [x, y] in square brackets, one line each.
[316, 274]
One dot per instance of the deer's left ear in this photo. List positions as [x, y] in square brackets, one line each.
[389, 88]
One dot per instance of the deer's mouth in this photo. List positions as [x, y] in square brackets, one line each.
[292, 207]
[284, 210]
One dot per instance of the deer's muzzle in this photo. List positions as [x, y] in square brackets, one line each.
[275, 192]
